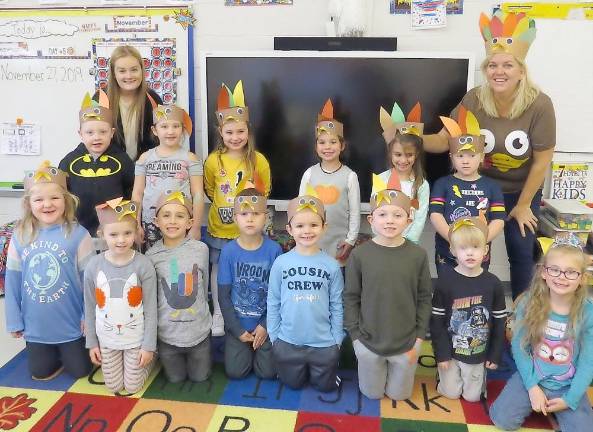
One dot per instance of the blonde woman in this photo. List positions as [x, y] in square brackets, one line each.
[129, 100]
[519, 126]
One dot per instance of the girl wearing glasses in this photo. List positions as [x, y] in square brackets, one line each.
[552, 344]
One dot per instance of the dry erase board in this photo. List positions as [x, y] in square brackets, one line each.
[49, 58]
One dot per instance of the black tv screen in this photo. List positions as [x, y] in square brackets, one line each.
[285, 93]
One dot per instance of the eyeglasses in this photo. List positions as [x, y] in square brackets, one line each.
[568, 274]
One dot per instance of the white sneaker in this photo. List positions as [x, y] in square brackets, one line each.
[217, 324]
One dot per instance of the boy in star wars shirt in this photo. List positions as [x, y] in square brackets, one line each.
[97, 171]
[468, 315]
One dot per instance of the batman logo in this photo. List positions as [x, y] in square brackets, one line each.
[105, 166]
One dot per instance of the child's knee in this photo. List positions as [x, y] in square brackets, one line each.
[501, 419]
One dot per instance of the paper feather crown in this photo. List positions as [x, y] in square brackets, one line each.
[91, 110]
[45, 173]
[115, 210]
[382, 194]
[464, 133]
[395, 122]
[510, 33]
[231, 105]
[327, 123]
[170, 112]
[310, 201]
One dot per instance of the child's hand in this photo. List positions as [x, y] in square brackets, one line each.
[491, 366]
[538, 399]
[139, 235]
[195, 232]
[414, 352]
[444, 365]
[344, 250]
[17, 334]
[260, 334]
[145, 358]
[246, 337]
[556, 404]
[95, 354]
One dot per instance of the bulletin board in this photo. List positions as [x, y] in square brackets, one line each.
[49, 58]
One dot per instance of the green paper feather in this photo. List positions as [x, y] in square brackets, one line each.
[397, 114]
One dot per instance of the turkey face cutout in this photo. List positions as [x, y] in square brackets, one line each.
[117, 210]
[91, 110]
[381, 196]
[231, 105]
[326, 123]
[395, 122]
[464, 133]
[507, 33]
[248, 200]
[172, 112]
[121, 316]
[176, 197]
[478, 222]
[310, 202]
[45, 174]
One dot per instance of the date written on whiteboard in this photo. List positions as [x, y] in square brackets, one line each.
[24, 139]
[66, 74]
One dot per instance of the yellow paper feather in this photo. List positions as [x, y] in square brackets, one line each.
[522, 27]
[471, 124]
[86, 101]
[378, 184]
[310, 190]
[238, 95]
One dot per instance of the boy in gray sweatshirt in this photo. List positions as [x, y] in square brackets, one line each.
[184, 319]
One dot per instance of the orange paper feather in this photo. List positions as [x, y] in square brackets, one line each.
[328, 110]
[223, 98]
[415, 114]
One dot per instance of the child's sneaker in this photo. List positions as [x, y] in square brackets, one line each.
[217, 324]
[57, 372]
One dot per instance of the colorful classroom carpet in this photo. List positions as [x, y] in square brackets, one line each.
[223, 405]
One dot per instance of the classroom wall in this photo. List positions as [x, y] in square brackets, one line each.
[253, 28]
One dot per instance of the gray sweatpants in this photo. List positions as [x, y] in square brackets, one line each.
[297, 364]
[181, 363]
[384, 375]
[240, 358]
[462, 379]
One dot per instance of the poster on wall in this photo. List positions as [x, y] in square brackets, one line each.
[256, 2]
[428, 14]
[400, 7]
[159, 56]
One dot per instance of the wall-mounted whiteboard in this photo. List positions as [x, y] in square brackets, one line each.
[50, 58]
[560, 62]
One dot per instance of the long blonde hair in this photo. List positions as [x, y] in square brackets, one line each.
[113, 90]
[415, 141]
[27, 227]
[248, 154]
[524, 95]
[536, 300]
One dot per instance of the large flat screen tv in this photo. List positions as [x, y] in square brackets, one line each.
[285, 90]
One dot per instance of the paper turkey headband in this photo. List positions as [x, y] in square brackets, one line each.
[464, 133]
[175, 197]
[396, 122]
[507, 33]
[381, 195]
[478, 222]
[231, 105]
[117, 210]
[310, 201]
[250, 203]
[326, 123]
[45, 174]
[170, 112]
[91, 110]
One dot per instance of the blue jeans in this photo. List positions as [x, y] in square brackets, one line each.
[512, 407]
[519, 248]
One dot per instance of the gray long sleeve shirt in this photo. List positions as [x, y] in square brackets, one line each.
[184, 316]
[120, 303]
